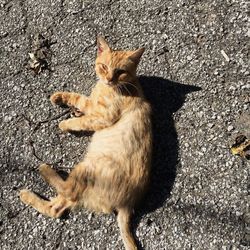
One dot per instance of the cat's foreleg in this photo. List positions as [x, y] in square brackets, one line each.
[54, 208]
[87, 123]
[70, 99]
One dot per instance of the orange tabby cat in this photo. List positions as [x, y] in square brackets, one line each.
[114, 174]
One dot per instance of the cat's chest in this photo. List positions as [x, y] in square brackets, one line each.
[105, 98]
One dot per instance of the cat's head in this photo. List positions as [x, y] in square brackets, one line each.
[115, 67]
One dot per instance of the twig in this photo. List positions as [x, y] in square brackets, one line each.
[39, 123]
[37, 126]
[31, 144]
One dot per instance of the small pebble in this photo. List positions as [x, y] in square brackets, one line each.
[90, 215]
[210, 125]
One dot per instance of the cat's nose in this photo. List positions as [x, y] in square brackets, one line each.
[110, 79]
[110, 83]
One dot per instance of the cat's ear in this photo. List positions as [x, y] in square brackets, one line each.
[136, 55]
[102, 45]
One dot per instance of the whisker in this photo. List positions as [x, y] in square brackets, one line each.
[119, 90]
[133, 86]
[127, 89]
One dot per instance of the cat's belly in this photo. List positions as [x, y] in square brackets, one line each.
[119, 156]
[109, 141]
[121, 141]
[124, 147]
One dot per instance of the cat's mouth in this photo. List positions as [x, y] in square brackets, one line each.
[118, 84]
[111, 84]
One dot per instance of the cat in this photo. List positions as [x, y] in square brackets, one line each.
[115, 172]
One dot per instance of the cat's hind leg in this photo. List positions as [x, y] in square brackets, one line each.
[73, 187]
[53, 208]
[52, 177]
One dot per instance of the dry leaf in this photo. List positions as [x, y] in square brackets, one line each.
[40, 54]
[241, 147]
[35, 63]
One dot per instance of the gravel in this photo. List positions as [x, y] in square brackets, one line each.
[195, 72]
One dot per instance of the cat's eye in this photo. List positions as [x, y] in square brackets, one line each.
[103, 66]
[120, 71]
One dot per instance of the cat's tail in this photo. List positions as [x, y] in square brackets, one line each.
[123, 219]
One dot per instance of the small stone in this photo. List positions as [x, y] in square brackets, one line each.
[35, 230]
[90, 216]
[225, 55]
[238, 213]
[247, 86]
[203, 149]
[248, 32]
[210, 125]
[245, 107]
[164, 36]
[15, 45]
[232, 88]
[7, 118]
[200, 114]
[16, 88]
[230, 128]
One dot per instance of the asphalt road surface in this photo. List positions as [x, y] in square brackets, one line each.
[195, 72]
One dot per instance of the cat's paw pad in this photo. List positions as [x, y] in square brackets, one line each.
[56, 98]
[25, 196]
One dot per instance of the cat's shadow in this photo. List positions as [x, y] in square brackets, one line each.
[166, 97]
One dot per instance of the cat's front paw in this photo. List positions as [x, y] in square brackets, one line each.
[57, 98]
[26, 196]
[63, 126]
